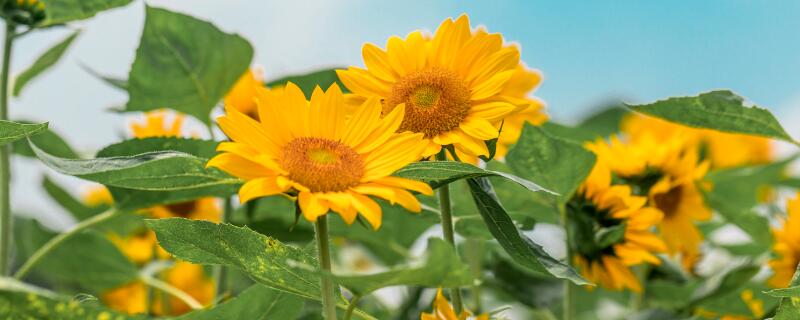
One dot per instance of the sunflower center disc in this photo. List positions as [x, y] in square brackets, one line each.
[670, 201]
[436, 100]
[322, 165]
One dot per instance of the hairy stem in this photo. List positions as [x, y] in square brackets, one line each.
[51, 245]
[352, 306]
[5, 158]
[447, 229]
[324, 254]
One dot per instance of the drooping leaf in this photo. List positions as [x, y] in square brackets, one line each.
[184, 64]
[256, 303]
[724, 283]
[62, 11]
[44, 62]
[442, 268]
[521, 248]
[307, 82]
[150, 171]
[556, 164]
[29, 305]
[12, 131]
[439, 173]
[718, 110]
[77, 208]
[47, 140]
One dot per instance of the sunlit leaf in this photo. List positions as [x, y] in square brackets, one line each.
[184, 64]
[44, 62]
[719, 110]
[12, 131]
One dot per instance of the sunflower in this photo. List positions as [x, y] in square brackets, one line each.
[314, 149]
[625, 224]
[723, 150]
[155, 125]
[442, 310]
[522, 83]
[28, 12]
[453, 85]
[786, 246]
[668, 173]
[242, 95]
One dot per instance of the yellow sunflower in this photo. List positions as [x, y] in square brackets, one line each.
[668, 173]
[522, 83]
[786, 246]
[156, 124]
[723, 150]
[330, 159]
[442, 310]
[602, 206]
[453, 86]
[243, 94]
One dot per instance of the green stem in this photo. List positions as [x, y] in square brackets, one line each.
[5, 158]
[447, 229]
[569, 288]
[171, 290]
[324, 255]
[475, 251]
[352, 306]
[48, 247]
[221, 272]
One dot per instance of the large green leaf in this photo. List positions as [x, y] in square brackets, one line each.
[442, 268]
[256, 303]
[196, 147]
[150, 171]
[789, 307]
[45, 61]
[521, 248]
[12, 131]
[62, 11]
[18, 305]
[718, 110]
[439, 173]
[28, 235]
[75, 207]
[553, 162]
[184, 64]
[307, 82]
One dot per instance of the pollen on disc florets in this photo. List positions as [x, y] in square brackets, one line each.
[436, 101]
[322, 165]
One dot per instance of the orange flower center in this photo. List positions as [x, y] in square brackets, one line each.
[322, 165]
[669, 202]
[436, 100]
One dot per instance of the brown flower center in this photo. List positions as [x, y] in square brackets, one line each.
[670, 201]
[322, 165]
[436, 100]
[182, 209]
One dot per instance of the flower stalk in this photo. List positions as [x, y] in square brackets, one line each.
[447, 229]
[5, 157]
[324, 257]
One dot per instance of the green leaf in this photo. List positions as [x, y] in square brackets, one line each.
[48, 141]
[184, 64]
[522, 249]
[442, 268]
[793, 291]
[528, 288]
[150, 171]
[439, 173]
[45, 61]
[12, 131]
[718, 110]
[724, 283]
[555, 163]
[307, 82]
[62, 11]
[789, 307]
[28, 235]
[256, 303]
[608, 236]
[265, 259]
[196, 147]
[29, 305]
[118, 83]
[273, 216]
[599, 125]
[77, 208]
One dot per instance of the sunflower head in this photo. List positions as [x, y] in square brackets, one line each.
[667, 172]
[442, 310]
[786, 246]
[156, 124]
[456, 86]
[612, 231]
[27, 12]
[243, 94]
[141, 247]
[329, 158]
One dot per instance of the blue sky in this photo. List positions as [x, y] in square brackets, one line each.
[589, 52]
